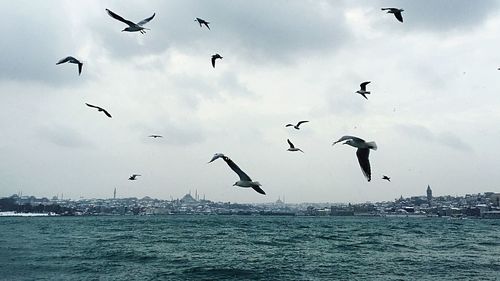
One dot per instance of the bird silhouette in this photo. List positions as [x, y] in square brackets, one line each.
[134, 177]
[297, 125]
[71, 59]
[132, 27]
[214, 57]
[397, 13]
[100, 109]
[204, 22]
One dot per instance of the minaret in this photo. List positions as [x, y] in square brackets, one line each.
[429, 194]
[114, 194]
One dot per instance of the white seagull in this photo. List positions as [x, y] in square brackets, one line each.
[245, 181]
[292, 147]
[362, 153]
[396, 12]
[362, 91]
[132, 27]
[296, 127]
[71, 59]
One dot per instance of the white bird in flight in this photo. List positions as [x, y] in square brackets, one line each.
[396, 12]
[296, 127]
[362, 91]
[362, 153]
[245, 181]
[100, 109]
[71, 59]
[132, 27]
[292, 147]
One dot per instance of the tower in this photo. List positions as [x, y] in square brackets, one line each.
[429, 194]
[114, 194]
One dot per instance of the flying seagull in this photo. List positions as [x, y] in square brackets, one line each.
[396, 12]
[214, 57]
[99, 109]
[71, 59]
[386, 178]
[362, 153]
[245, 181]
[133, 177]
[292, 147]
[362, 91]
[132, 27]
[202, 21]
[296, 126]
[155, 136]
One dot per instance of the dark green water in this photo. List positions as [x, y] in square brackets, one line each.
[248, 248]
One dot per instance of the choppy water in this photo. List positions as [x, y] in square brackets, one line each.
[248, 248]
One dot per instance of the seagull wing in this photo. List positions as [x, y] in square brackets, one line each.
[291, 125]
[80, 65]
[206, 24]
[144, 21]
[117, 17]
[364, 162]
[66, 59]
[93, 106]
[258, 189]
[363, 94]
[301, 122]
[236, 169]
[107, 114]
[398, 16]
[213, 61]
[290, 143]
[344, 138]
[363, 85]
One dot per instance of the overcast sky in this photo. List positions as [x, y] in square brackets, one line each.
[434, 111]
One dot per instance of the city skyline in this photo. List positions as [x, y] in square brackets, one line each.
[433, 107]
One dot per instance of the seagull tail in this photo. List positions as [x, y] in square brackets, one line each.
[372, 145]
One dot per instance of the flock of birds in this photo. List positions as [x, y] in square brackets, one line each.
[363, 147]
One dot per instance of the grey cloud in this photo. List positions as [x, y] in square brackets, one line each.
[64, 137]
[444, 138]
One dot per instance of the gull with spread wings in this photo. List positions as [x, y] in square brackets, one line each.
[362, 153]
[132, 27]
[71, 59]
[292, 147]
[296, 127]
[245, 181]
[99, 109]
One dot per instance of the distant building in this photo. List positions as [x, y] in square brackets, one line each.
[429, 194]
[188, 199]
[495, 199]
[114, 194]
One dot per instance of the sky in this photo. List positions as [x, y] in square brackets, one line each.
[433, 109]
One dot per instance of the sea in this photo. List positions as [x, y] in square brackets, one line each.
[248, 248]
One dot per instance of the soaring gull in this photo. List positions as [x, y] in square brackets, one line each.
[362, 153]
[396, 12]
[386, 178]
[133, 177]
[71, 59]
[99, 109]
[214, 57]
[245, 181]
[202, 21]
[132, 27]
[362, 91]
[155, 136]
[292, 147]
[296, 126]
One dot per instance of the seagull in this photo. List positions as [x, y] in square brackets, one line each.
[133, 177]
[202, 21]
[131, 25]
[214, 57]
[396, 12]
[362, 153]
[296, 126]
[245, 181]
[71, 59]
[99, 109]
[292, 147]
[386, 178]
[362, 91]
[155, 136]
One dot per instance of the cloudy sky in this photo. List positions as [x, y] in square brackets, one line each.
[434, 108]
